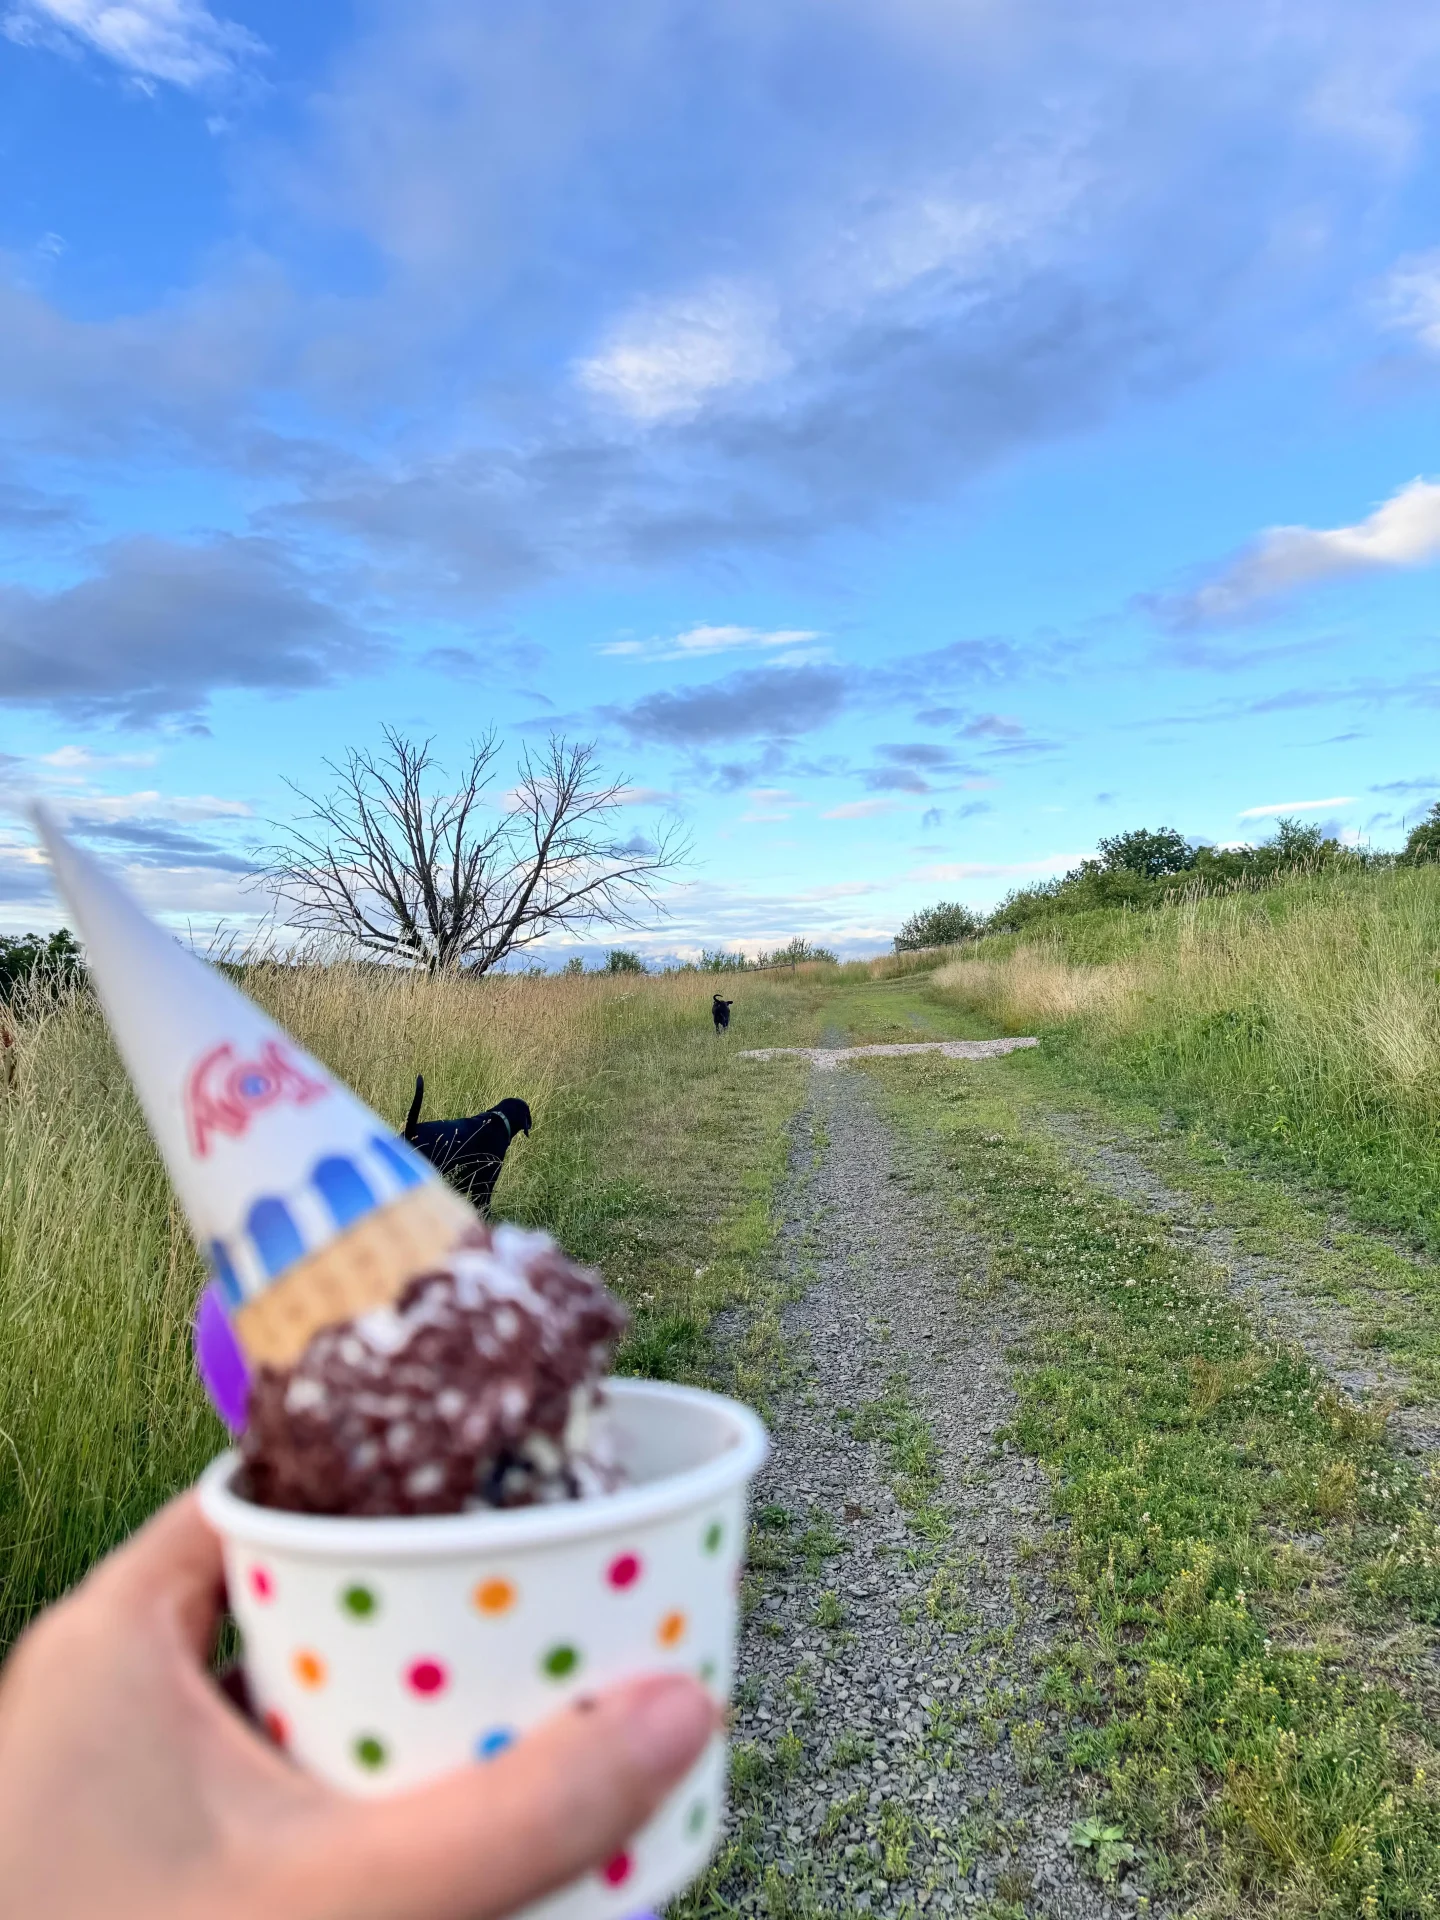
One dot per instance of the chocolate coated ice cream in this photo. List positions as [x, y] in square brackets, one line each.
[479, 1387]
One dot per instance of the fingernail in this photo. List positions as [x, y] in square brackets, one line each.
[668, 1723]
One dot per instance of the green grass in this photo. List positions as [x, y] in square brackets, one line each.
[913, 1454]
[642, 1160]
[1247, 1556]
[1257, 1576]
[1387, 1292]
[1302, 1020]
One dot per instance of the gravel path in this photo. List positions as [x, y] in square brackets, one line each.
[891, 1751]
[1276, 1295]
[827, 1058]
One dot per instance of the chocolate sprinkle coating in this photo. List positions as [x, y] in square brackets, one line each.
[472, 1390]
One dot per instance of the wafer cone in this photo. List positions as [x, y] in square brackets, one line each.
[307, 1207]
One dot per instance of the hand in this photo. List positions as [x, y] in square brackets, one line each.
[130, 1787]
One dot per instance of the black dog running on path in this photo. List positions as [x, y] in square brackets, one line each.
[720, 1010]
[469, 1152]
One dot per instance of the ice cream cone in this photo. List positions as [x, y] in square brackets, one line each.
[307, 1207]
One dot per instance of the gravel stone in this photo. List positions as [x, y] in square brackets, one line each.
[906, 1783]
[826, 1059]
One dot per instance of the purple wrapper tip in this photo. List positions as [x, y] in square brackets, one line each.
[219, 1360]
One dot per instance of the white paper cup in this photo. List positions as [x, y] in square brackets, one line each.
[383, 1652]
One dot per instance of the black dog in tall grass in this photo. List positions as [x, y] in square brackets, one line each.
[720, 1012]
[469, 1152]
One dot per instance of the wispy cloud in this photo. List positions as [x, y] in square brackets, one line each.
[1403, 531]
[646, 797]
[152, 842]
[770, 702]
[698, 643]
[1272, 811]
[1412, 298]
[78, 760]
[862, 809]
[665, 360]
[179, 42]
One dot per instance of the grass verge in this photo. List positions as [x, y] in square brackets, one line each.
[1387, 1292]
[1256, 1575]
[652, 1155]
[1301, 1019]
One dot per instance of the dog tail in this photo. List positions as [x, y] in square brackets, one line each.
[412, 1118]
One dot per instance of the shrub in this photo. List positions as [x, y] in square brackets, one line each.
[1422, 848]
[623, 960]
[799, 952]
[35, 962]
[1150, 867]
[1148, 852]
[945, 924]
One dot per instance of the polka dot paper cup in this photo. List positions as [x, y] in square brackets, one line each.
[380, 1653]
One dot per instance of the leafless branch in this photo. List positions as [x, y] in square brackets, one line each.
[436, 880]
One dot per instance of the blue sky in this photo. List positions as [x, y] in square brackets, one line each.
[913, 438]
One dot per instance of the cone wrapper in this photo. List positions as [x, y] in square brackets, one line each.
[306, 1206]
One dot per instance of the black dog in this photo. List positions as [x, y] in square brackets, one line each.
[469, 1152]
[720, 1012]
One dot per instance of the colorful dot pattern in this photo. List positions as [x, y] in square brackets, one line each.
[560, 1662]
[623, 1571]
[617, 1870]
[309, 1669]
[496, 1604]
[426, 1677]
[495, 1596]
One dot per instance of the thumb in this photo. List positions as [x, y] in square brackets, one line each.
[481, 1843]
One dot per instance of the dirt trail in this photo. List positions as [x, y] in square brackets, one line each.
[826, 1058]
[893, 1754]
[1276, 1294]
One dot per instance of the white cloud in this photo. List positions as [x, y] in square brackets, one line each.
[1403, 531]
[1295, 806]
[1412, 298]
[699, 643]
[646, 797]
[904, 249]
[81, 760]
[179, 41]
[668, 359]
[155, 806]
[860, 809]
[207, 893]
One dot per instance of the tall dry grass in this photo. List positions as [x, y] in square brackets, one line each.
[1305, 1017]
[100, 1415]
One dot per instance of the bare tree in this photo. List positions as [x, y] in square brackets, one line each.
[441, 879]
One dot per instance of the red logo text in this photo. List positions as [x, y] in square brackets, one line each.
[224, 1092]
